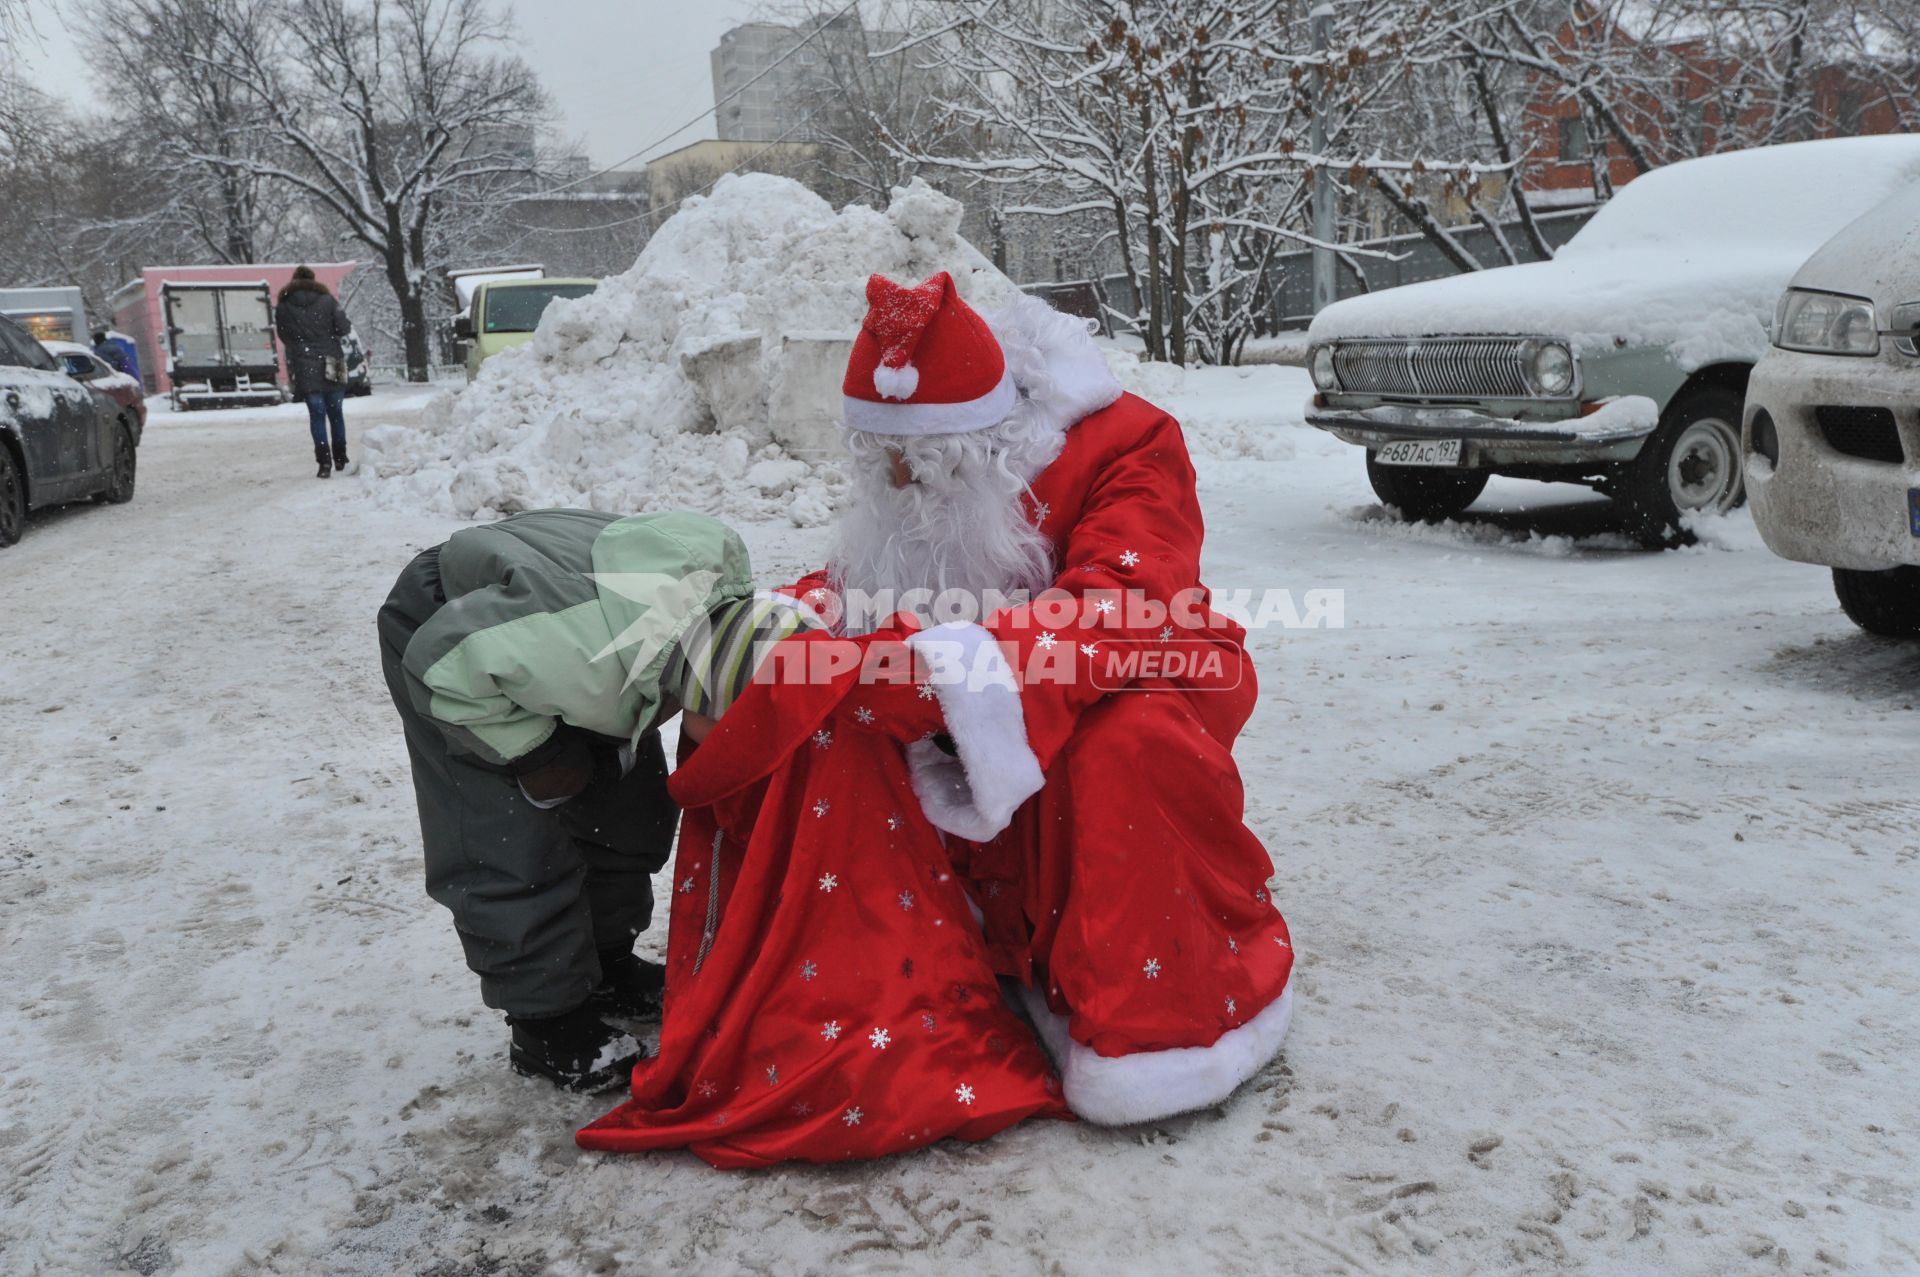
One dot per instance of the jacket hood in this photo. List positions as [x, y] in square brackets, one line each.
[304, 292]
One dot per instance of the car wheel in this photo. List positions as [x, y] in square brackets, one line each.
[124, 462]
[1885, 603]
[13, 498]
[1689, 465]
[1426, 495]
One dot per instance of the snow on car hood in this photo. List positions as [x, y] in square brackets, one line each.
[1692, 256]
[1706, 306]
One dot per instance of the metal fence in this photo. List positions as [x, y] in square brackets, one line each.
[1413, 259]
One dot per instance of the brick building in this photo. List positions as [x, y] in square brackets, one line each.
[1678, 98]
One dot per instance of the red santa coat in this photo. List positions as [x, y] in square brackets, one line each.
[1124, 885]
[829, 995]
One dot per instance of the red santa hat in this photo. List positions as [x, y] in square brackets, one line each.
[924, 364]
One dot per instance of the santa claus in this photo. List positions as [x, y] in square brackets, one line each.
[1048, 803]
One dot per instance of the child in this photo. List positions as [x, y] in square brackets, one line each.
[532, 662]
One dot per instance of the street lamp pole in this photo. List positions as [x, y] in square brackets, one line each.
[1320, 25]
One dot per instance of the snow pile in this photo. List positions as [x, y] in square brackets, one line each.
[706, 377]
[1692, 257]
[1245, 412]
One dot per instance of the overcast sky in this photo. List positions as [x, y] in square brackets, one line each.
[622, 71]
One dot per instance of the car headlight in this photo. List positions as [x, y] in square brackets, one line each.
[1825, 324]
[1550, 368]
[1321, 363]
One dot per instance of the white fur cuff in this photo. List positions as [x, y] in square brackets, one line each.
[1118, 1090]
[975, 794]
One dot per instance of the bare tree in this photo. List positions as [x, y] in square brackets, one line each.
[869, 99]
[395, 118]
[1881, 39]
[1183, 123]
[168, 63]
[14, 23]
[67, 185]
[1664, 80]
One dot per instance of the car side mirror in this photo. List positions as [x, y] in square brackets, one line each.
[1906, 328]
[463, 327]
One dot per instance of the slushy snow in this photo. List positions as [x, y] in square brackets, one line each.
[1600, 866]
[706, 377]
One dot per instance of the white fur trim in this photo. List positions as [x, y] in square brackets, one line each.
[1118, 1090]
[974, 795]
[1053, 359]
[896, 383]
[988, 410]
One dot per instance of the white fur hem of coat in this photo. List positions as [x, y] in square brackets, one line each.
[975, 794]
[1119, 1090]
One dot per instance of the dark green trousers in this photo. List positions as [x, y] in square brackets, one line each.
[535, 894]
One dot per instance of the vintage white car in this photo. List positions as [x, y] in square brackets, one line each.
[1621, 364]
[1832, 434]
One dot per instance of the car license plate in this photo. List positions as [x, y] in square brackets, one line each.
[1419, 452]
[1913, 511]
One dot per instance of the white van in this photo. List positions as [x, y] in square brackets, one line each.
[1832, 423]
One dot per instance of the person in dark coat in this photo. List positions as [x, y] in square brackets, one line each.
[311, 322]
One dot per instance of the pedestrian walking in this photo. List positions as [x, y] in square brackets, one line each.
[311, 322]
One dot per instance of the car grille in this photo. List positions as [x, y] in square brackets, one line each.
[1434, 368]
[1867, 433]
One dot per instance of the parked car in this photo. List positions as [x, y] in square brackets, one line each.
[504, 313]
[1621, 364]
[80, 363]
[359, 375]
[60, 439]
[1832, 437]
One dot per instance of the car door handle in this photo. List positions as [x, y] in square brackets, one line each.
[13, 399]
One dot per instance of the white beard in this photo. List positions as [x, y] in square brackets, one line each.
[960, 532]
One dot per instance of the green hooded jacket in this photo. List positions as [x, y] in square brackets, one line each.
[564, 616]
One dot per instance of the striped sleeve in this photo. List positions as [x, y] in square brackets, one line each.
[714, 663]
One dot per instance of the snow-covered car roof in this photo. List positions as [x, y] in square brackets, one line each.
[66, 347]
[1799, 194]
[467, 282]
[1691, 256]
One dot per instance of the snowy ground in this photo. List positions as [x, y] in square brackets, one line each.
[1600, 863]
